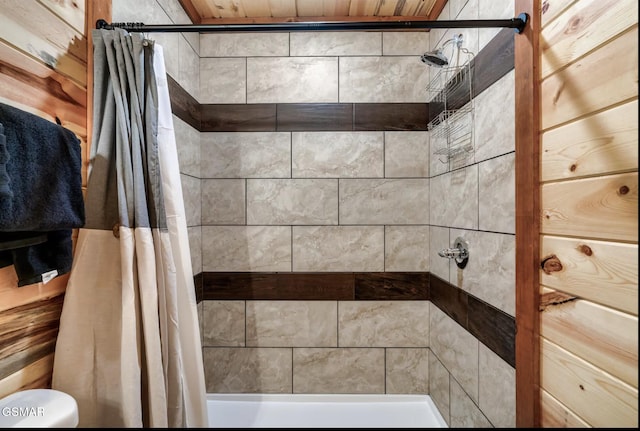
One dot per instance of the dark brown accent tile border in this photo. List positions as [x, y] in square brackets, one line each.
[277, 286]
[391, 116]
[259, 117]
[492, 63]
[183, 105]
[197, 280]
[448, 298]
[312, 117]
[493, 327]
[403, 286]
[330, 286]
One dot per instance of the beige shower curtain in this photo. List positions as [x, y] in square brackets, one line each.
[129, 347]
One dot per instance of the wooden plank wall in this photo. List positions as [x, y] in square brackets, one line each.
[589, 213]
[43, 70]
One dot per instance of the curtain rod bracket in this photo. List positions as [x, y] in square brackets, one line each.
[521, 20]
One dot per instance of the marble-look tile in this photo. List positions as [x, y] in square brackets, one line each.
[246, 248]
[189, 69]
[247, 370]
[439, 240]
[406, 248]
[383, 323]
[384, 201]
[191, 196]
[188, 147]
[407, 371]
[292, 80]
[338, 371]
[495, 106]
[200, 311]
[338, 248]
[292, 201]
[195, 248]
[244, 45]
[460, 137]
[467, 10]
[336, 43]
[456, 349]
[177, 15]
[497, 389]
[406, 154]
[490, 271]
[439, 386]
[456, 6]
[454, 198]
[399, 79]
[497, 191]
[223, 80]
[493, 9]
[337, 154]
[405, 42]
[464, 412]
[437, 35]
[438, 162]
[246, 155]
[223, 323]
[292, 323]
[223, 201]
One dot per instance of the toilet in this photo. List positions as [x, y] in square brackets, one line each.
[38, 408]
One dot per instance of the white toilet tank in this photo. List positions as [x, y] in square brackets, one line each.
[38, 408]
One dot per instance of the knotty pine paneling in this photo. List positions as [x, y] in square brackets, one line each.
[608, 338]
[603, 78]
[557, 415]
[27, 333]
[38, 31]
[603, 143]
[604, 272]
[34, 376]
[600, 207]
[589, 24]
[599, 398]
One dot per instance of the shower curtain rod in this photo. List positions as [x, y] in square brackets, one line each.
[517, 24]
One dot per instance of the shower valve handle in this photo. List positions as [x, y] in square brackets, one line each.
[459, 252]
[454, 253]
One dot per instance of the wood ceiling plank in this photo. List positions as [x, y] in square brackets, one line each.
[336, 7]
[256, 8]
[364, 7]
[310, 8]
[230, 8]
[388, 7]
[283, 8]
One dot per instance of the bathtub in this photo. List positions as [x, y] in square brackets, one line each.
[322, 411]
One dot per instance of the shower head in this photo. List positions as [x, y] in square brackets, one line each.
[436, 57]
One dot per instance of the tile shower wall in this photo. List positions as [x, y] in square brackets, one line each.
[473, 196]
[311, 201]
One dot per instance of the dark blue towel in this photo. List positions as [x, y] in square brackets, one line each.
[42, 200]
[44, 169]
[5, 182]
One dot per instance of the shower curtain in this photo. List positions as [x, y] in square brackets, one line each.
[128, 348]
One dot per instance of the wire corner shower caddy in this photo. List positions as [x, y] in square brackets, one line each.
[452, 128]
